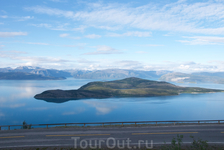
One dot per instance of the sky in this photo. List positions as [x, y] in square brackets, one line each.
[183, 36]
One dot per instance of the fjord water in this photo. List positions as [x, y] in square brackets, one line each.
[17, 104]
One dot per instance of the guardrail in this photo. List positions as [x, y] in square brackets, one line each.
[122, 123]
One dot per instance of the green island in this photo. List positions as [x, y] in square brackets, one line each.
[129, 87]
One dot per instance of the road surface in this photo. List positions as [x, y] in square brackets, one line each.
[109, 137]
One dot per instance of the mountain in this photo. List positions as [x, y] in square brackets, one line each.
[25, 69]
[8, 69]
[42, 71]
[211, 74]
[25, 76]
[119, 74]
[194, 77]
[38, 71]
[51, 73]
[129, 87]
[87, 74]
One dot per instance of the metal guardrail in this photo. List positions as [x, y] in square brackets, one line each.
[127, 122]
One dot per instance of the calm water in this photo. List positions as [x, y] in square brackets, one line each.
[17, 104]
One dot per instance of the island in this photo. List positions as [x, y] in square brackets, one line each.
[129, 87]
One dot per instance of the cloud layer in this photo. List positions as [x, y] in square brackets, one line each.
[12, 34]
[180, 16]
[102, 49]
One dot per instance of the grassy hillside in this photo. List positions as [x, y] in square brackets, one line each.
[129, 87]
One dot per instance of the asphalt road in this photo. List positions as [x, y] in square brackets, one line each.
[110, 137]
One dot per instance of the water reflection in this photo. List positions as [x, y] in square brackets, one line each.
[37, 108]
[2, 115]
[75, 111]
[17, 104]
[102, 107]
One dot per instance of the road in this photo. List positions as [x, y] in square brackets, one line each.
[130, 137]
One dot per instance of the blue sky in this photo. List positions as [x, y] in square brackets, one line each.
[182, 35]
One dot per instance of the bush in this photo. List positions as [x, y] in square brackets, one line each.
[25, 125]
[198, 144]
[175, 144]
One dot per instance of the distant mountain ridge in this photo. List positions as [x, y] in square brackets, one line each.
[25, 76]
[201, 77]
[120, 73]
[87, 74]
[38, 71]
[165, 75]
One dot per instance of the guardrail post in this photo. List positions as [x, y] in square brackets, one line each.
[198, 122]
[135, 124]
[84, 125]
[47, 126]
[103, 125]
[0, 127]
[8, 127]
[65, 125]
[156, 123]
[218, 122]
[174, 123]
[122, 124]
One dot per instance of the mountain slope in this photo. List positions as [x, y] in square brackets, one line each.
[119, 74]
[88, 74]
[194, 77]
[25, 76]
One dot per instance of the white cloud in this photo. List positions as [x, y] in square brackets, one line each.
[112, 28]
[4, 16]
[106, 63]
[75, 38]
[61, 1]
[64, 35]
[150, 45]
[102, 49]
[42, 25]
[12, 34]
[141, 52]
[1, 23]
[128, 64]
[85, 61]
[186, 67]
[203, 40]
[180, 16]
[1, 46]
[92, 36]
[58, 27]
[37, 43]
[133, 33]
[3, 11]
[80, 29]
[79, 45]
[24, 18]
[33, 60]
